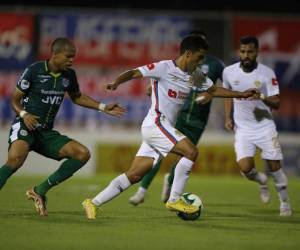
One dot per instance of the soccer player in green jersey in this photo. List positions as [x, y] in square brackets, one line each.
[191, 122]
[36, 101]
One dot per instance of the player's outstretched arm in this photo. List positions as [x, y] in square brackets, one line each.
[113, 109]
[124, 77]
[226, 93]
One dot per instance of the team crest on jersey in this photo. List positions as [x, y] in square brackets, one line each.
[65, 82]
[23, 132]
[257, 84]
[24, 84]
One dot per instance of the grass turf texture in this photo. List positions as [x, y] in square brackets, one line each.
[233, 218]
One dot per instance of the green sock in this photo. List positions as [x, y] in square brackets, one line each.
[66, 170]
[148, 178]
[171, 176]
[5, 173]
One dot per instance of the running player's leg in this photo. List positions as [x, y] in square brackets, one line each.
[245, 150]
[19, 146]
[77, 155]
[142, 163]
[281, 184]
[140, 194]
[189, 155]
[194, 134]
[17, 154]
[271, 152]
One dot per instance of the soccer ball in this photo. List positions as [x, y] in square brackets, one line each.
[194, 200]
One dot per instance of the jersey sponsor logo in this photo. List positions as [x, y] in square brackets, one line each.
[274, 81]
[150, 66]
[24, 84]
[180, 95]
[65, 82]
[53, 100]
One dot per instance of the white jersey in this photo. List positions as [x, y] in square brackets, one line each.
[251, 115]
[170, 88]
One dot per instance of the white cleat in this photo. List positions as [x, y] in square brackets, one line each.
[285, 209]
[137, 198]
[264, 194]
[166, 190]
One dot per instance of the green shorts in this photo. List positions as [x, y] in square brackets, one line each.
[193, 133]
[46, 142]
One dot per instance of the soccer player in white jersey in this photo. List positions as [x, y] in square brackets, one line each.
[170, 87]
[253, 123]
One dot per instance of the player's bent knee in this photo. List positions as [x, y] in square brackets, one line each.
[192, 154]
[15, 161]
[83, 154]
[133, 178]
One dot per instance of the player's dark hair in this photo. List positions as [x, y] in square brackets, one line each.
[59, 44]
[198, 33]
[193, 43]
[249, 39]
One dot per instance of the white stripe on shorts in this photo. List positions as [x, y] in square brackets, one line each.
[14, 135]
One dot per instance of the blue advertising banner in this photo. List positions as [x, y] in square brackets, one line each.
[113, 40]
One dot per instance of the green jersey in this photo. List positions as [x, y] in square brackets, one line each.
[193, 114]
[45, 91]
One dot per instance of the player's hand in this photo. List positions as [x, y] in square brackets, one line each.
[31, 121]
[228, 124]
[203, 98]
[252, 94]
[111, 86]
[115, 110]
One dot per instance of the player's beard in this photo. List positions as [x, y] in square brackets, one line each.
[248, 64]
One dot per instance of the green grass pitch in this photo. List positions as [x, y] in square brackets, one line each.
[233, 218]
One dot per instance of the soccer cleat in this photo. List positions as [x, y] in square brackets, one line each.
[285, 209]
[166, 190]
[181, 206]
[39, 202]
[264, 194]
[90, 209]
[137, 198]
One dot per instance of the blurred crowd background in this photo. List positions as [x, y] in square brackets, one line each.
[112, 36]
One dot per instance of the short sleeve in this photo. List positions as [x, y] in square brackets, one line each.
[24, 83]
[153, 70]
[225, 80]
[73, 87]
[272, 86]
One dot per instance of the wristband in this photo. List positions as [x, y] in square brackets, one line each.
[22, 113]
[101, 106]
[262, 97]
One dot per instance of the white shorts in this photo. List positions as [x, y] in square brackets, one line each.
[267, 141]
[159, 139]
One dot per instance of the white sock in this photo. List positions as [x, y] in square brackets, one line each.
[141, 191]
[281, 183]
[182, 170]
[115, 187]
[253, 175]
